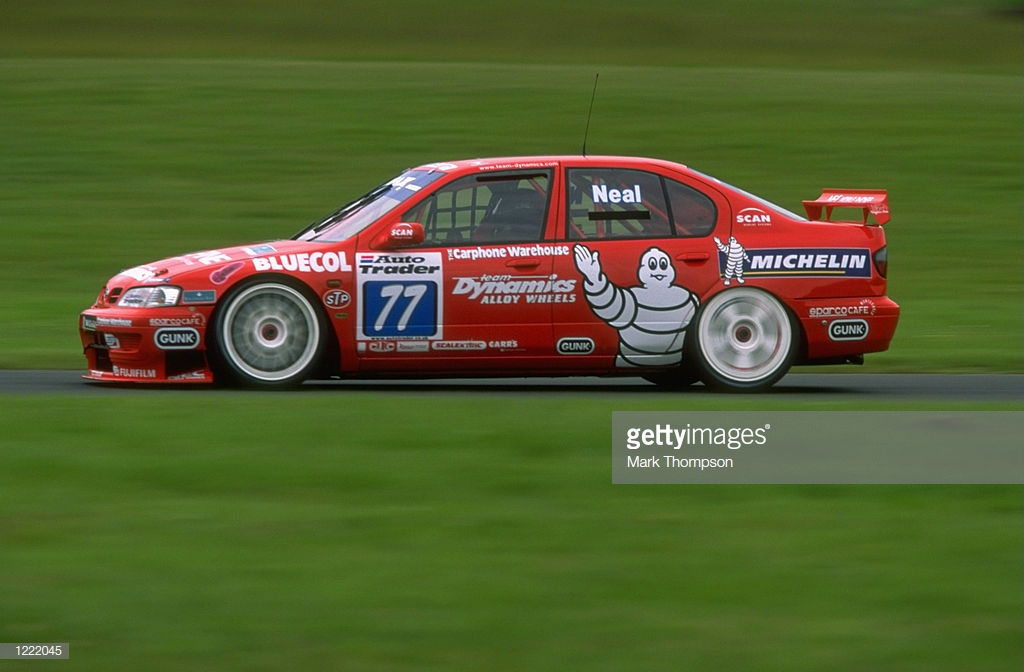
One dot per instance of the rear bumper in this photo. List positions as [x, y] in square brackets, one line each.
[144, 345]
[837, 328]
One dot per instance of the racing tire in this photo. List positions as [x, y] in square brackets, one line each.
[269, 334]
[744, 340]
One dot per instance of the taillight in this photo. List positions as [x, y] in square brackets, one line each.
[881, 259]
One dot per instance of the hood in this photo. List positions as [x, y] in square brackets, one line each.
[217, 264]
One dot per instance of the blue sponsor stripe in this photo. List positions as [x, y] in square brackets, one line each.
[803, 262]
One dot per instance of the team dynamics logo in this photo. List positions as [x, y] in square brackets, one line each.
[506, 289]
[651, 317]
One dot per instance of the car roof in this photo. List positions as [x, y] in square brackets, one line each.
[547, 161]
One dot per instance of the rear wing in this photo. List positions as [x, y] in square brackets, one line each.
[870, 201]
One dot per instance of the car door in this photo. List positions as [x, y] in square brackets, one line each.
[481, 304]
[642, 248]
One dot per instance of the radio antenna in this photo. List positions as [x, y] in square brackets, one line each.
[590, 112]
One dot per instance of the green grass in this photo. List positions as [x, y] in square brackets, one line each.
[155, 533]
[849, 34]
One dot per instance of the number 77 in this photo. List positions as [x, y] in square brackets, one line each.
[394, 292]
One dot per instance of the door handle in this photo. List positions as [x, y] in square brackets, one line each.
[523, 263]
[693, 257]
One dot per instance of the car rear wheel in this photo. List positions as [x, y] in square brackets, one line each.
[269, 335]
[744, 340]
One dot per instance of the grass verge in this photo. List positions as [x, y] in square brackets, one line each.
[150, 530]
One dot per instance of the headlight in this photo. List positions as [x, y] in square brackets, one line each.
[150, 297]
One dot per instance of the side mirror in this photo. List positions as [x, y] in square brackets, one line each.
[397, 236]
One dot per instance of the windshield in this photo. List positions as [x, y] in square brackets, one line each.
[352, 218]
[768, 204]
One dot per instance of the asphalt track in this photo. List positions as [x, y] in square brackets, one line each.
[839, 386]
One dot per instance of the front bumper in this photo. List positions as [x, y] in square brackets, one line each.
[145, 345]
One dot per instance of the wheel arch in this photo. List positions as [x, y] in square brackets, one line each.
[800, 333]
[693, 351]
[328, 363]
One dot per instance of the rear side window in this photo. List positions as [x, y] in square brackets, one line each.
[693, 213]
[624, 203]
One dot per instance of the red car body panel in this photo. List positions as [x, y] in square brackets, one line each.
[577, 296]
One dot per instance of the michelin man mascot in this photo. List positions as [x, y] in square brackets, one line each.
[651, 318]
[735, 255]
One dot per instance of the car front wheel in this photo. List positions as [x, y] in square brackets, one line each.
[269, 335]
[744, 340]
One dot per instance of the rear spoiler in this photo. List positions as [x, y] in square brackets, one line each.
[869, 201]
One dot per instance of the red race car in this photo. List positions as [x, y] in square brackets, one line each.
[550, 265]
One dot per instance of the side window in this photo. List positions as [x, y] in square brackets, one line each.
[693, 213]
[616, 203]
[620, 203]
[486, 208]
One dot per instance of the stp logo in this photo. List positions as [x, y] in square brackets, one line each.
[336, 298]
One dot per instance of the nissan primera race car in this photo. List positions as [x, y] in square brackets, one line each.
[554, 265]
